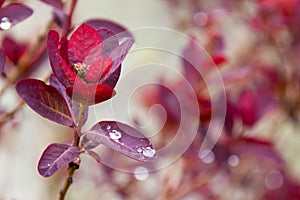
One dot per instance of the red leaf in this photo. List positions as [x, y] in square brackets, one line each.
[90, 93]
[84, 45]
[13, 50]
[57, 57]
[98, 70]
[13, 14]
[56, 156]
[45, 100]
[63, 49]
[64, 72]
[52, 42]
[1, 2]
[122, 138]
[247, 107]
[219, 59]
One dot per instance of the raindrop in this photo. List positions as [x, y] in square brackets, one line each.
[115, 135]
[48, 165]
[233, 160]
[149, 152]
[274, 180]
[108, 127]
[5, 23]
[139, 150]
[141, 173]
[207, 156]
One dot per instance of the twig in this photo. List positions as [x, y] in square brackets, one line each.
[72, 165]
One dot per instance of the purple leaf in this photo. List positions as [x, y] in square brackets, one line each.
[13, 14]
[107, 33]
[122, 138]
[109, 41]
[114, 27]
[170, 102]
[55, 3]
[72, 105]
[2, 61]
[113, 78]
[117, 56]
[56, 156]
[45, 100]
[119, 53]
[247, 107]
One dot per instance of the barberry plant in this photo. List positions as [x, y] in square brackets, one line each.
[85, 69]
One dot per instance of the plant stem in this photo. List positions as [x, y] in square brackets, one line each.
[73, 165]
[69, 20]
[79, 125]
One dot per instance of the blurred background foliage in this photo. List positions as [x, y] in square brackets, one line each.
[253, 45]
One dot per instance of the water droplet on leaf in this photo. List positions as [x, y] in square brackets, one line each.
[115, 135]
[149, 152]
[139, 150]
[108, 127]
[5, 23]
[48, 165]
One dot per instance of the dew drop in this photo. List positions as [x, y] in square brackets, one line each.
[108, 127]
[149, 152]
[141, 173]
[5, 23]
[115, 135]
[207, 156]
[48, 165]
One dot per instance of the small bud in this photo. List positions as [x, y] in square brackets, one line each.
[80, 69]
